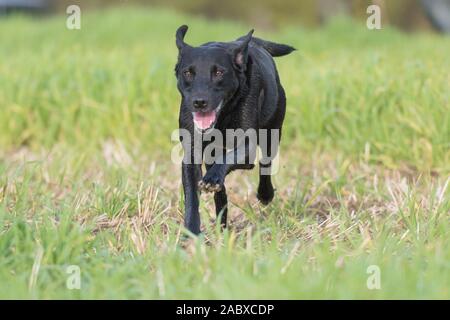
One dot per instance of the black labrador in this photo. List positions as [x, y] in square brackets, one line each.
[227, 87]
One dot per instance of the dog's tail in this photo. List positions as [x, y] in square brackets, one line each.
[275, 49]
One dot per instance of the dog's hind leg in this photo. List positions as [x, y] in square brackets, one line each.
[221, 202]
[269, 149]
[265, 188]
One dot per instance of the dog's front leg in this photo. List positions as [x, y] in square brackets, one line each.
[190, 176]
[241, 157]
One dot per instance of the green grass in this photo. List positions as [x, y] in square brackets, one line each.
[86, 177]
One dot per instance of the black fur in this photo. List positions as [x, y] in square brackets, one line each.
[237, 82]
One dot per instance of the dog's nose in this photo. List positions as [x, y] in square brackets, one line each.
[200, 103]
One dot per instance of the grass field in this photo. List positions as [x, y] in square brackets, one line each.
[86, 176]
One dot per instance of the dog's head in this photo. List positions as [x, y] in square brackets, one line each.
[208, 76]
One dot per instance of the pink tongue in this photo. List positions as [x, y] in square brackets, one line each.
[204, 120]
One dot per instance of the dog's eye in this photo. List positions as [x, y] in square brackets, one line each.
[218, 73]
[188, 74]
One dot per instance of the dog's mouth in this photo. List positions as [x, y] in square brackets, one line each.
[206, 120]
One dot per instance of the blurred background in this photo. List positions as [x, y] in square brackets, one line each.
[408, 15]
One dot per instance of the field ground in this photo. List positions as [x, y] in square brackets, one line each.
[86, 177]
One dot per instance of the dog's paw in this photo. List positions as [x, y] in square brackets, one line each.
[212, 181]
[265, 194]
[208, 187]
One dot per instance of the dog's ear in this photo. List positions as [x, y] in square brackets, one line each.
[181, 32]
[240, 53]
